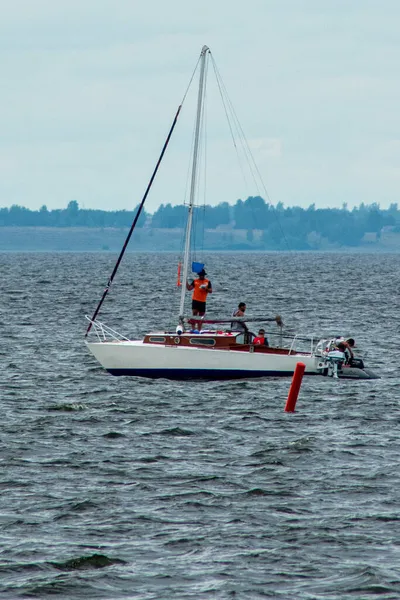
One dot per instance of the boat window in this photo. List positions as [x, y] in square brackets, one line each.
[198, 341]
[157, 340]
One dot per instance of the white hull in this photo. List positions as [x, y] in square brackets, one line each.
[137, 358]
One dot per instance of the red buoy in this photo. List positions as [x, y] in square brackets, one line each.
[295, 387]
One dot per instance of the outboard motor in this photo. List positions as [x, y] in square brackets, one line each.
[335, 360]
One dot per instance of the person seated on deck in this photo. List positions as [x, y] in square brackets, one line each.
[260, 339]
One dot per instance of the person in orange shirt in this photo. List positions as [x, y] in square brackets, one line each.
[201, 288]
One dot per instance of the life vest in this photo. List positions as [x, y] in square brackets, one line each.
[259, 340]
[198, 294]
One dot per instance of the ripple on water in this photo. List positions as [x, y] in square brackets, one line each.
[126, 487]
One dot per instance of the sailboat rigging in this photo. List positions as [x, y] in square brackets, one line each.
[213, 353]
[135, 220]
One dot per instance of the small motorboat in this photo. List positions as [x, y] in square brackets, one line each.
[338, 364]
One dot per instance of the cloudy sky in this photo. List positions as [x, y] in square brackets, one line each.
[89, 89]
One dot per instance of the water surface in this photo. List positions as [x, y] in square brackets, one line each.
[133, 488]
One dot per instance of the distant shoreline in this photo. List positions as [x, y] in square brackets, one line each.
[94, 239]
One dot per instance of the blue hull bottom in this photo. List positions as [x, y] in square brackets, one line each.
[197, 373]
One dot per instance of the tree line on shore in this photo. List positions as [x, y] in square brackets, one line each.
[280, 226]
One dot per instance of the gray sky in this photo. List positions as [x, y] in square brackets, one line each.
[89, 89]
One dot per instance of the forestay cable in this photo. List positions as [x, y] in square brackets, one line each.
[135, 220]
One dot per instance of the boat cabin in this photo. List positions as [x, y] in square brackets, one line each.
[221, 340]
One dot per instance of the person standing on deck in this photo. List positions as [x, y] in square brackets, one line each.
[201, 288]
[241, 325]
[239, 312]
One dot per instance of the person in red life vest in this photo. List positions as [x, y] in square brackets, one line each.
[201, 288]
[260, 339]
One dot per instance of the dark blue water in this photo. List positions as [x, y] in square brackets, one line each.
[132, 488]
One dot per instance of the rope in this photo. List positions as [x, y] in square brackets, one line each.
[111, 278]
[253, 168]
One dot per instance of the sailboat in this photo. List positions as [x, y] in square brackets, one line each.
[225, 350]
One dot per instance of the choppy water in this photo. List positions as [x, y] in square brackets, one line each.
[128, 488]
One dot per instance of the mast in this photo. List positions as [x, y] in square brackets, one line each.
[200, 100]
